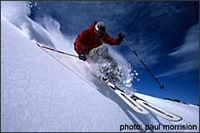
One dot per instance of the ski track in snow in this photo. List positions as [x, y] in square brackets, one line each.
[41, 94]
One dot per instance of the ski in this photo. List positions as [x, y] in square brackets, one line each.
[132, 103]
[163, 113]
[142, 106]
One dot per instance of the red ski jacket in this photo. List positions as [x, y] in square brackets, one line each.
[87, 40]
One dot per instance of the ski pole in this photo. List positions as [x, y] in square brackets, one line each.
[42, 46]
[150, 72]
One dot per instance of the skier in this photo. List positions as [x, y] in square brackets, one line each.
[88, 44]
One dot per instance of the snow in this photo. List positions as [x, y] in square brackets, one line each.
[41, 92]
[38, 94]
[190, 113]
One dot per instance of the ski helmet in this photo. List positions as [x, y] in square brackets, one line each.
[100, 26]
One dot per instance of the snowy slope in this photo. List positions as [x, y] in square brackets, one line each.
[190, 113]
[41, 92]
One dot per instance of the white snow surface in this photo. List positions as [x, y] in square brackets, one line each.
[41, 92]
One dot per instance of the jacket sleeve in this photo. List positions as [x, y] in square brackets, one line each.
[79, 44]
[110, 40]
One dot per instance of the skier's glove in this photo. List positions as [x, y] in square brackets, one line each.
[82, 57]
[120, 36]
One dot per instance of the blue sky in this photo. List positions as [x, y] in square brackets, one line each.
[164, 34]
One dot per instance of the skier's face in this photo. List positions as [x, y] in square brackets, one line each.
[98, 33]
